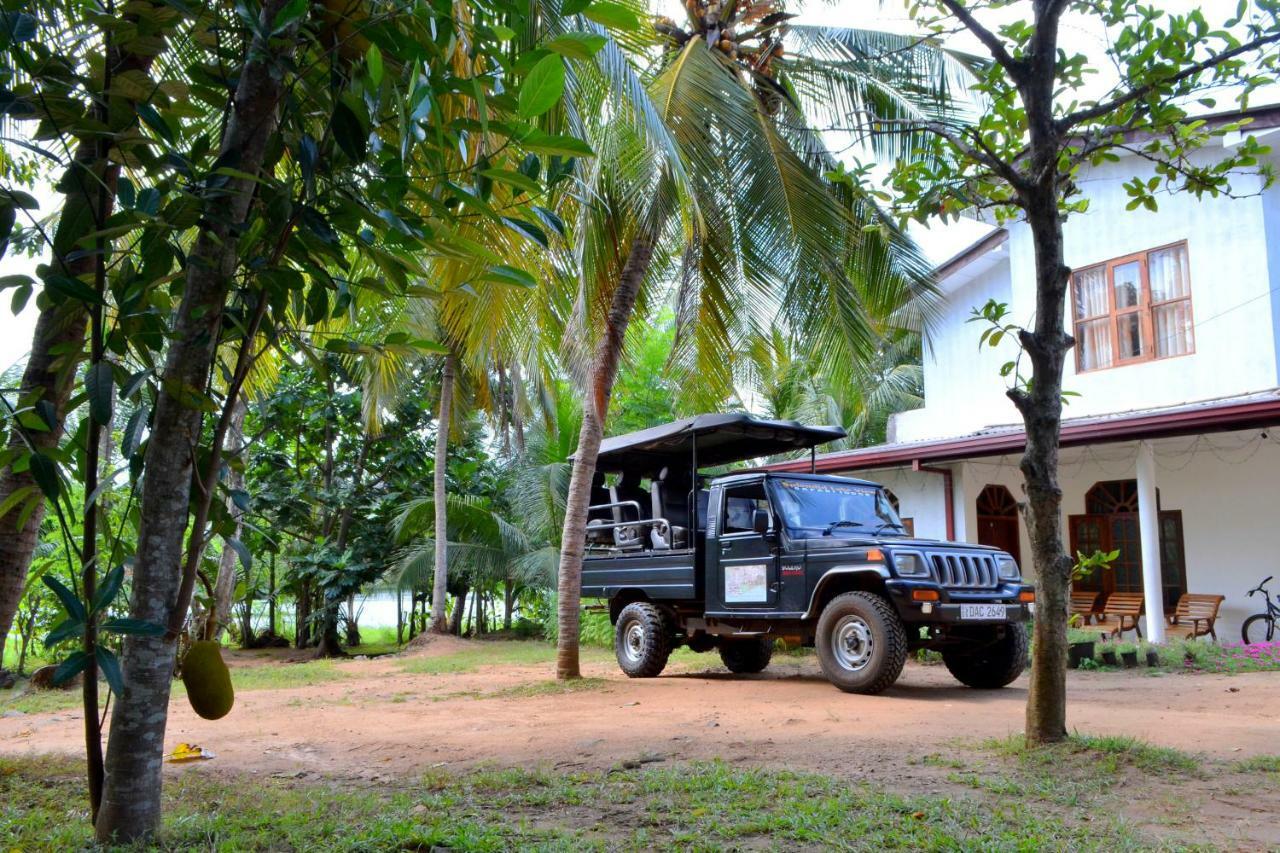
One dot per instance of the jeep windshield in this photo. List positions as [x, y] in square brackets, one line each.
[811, 509]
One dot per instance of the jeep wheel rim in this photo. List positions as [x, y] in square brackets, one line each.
[633, 642]
[853, 643]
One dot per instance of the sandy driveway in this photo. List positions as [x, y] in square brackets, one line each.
[381, 720]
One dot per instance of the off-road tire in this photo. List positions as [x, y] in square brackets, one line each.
[642, 639]
[993, 665]
[881, 650]
[749, 654]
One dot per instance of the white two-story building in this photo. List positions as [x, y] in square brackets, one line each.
[1171, 451]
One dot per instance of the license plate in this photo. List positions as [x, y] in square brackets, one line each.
[982, 611]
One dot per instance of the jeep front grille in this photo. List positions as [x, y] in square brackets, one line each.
[966, 571]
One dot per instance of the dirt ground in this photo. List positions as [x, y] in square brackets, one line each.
[380, 723]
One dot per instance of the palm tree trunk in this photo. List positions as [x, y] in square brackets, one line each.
[459, 610]
[439, 623]
[517, 416]
[509, 602]
[50, 374]
[329, 646]
[224, 587]
[604, 370]
[135, 749]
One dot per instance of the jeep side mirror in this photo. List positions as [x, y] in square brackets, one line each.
[760, 521]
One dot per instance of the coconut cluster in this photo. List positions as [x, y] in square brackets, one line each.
[744, 31]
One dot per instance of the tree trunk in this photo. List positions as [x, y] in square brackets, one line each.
[271, 592]
[399, 616]
[517, 416]
[459, 610]
[413, 614]
[1041, 409]
[604, 369]
[50, 374]
[302, 616]
[224, 587]
[509, 602]
[329, 646]
[439, 623]
[131, 797]
[353, 629]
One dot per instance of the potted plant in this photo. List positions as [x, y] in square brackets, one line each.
[1109, 655]
[1080, 645]
[1152, 654]
[1128, 655]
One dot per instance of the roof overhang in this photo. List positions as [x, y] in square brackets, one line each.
[1251, 412]
[721, 439]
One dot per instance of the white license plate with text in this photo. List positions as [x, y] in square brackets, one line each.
[982, 611]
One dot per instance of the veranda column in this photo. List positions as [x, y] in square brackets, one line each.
[1149, 528]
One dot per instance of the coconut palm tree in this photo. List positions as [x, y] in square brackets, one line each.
[746, 207]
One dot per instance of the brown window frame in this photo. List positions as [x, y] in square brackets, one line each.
[1145, 309]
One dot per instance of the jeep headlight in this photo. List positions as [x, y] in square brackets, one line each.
[909, 565]
[1008, 568]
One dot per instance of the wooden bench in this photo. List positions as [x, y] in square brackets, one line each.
[1084, 603]
[1126, 607]
[1195, 615]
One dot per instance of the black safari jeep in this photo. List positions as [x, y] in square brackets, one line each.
[736, 561]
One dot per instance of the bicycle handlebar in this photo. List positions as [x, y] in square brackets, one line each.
[1259, 587]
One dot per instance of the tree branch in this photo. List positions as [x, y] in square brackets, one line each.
[1099, 110]
[989, 39]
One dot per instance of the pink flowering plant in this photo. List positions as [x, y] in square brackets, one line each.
[1202, 656]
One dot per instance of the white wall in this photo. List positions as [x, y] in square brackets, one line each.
[1226, 485]
[1236, 315]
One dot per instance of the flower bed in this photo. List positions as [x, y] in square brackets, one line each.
[1202, 656]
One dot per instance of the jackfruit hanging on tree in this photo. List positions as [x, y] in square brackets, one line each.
[208, 680]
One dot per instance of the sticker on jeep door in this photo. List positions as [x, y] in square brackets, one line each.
[746, 583]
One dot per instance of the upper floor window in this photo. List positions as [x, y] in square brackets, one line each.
[1132, 309]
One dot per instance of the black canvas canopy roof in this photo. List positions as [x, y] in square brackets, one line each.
[721, 439]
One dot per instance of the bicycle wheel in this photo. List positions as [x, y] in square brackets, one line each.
[1259, 628]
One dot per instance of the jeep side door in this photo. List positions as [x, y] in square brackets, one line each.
[743, 560]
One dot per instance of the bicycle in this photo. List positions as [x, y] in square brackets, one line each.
[1262, 627]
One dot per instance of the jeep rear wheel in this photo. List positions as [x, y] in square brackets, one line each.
[862, 645]
[642, 640]
[750, 654]
[997, 660]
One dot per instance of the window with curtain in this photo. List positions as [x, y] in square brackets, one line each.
[1131, 309]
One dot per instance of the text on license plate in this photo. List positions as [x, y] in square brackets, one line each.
[982, 611]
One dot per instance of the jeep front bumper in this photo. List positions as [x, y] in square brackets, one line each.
[997, 606]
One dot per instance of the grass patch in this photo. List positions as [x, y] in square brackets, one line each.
[698, 806]
[28, 701]
[1258, 764]
[1105, 752]
[547, 688]
[483, 653]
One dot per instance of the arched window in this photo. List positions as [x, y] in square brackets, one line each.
[998, 520]
[997, 501]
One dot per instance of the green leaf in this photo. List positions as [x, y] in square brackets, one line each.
[528, 229]
[133, 627]
[133, 432]
[110, 666]
[70, 667]
[291, 12]
[15, 497]
[573, 7]
[73, 606]
[577, 45]
[99, 385]
[542, 88]
[503, 274]
[64, 630]
[9, 281]
[515, 179]
[45, 473]
[373, 59]
[545, 143]
[246, 559]
[349, 132]
[613, 15]
[73, 288]
[109, 589]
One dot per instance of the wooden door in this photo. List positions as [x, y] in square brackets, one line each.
[1119, 531]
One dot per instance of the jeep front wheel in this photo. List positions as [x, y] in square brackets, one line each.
[642, 640]
[862, 645]
[995, 661]
[751, 654]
